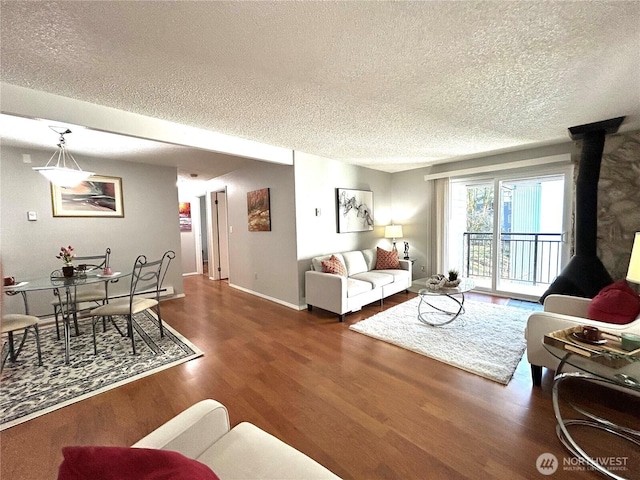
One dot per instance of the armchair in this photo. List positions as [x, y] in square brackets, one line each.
[560, 312]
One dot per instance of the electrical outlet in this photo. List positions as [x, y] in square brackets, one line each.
[422, 268]
[255, 276]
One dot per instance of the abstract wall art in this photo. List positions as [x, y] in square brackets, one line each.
[95, 197]
[355, 210]
[185, 216]
[259, 210]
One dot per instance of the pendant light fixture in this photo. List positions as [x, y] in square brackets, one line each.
[63, 173]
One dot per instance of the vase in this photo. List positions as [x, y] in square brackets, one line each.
[67, 270]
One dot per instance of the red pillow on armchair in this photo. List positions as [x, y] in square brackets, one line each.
[615, 303]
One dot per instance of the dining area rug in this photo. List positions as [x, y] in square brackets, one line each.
[486, 340]
[28, 390]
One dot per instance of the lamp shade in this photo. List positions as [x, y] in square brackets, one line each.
[393, 231]
[60, 174]
[63, 177]
[633, 275]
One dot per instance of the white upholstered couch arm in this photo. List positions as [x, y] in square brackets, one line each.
[567, 305]
[192, 431]
[326, 290]
[541, 323]
[405, 264]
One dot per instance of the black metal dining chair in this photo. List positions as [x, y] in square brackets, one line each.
[98, 293]
[146, 284]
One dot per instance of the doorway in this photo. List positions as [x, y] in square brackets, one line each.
[219, 253]
[507, 232]
[204, 244]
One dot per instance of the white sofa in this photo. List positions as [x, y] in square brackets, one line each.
[560, 312]
[364, 284]
[202, 432]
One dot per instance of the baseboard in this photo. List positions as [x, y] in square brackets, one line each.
[266, 297]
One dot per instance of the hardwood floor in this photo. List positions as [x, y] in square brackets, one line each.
[361, 407]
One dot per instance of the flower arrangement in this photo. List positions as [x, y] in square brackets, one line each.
[66, 254]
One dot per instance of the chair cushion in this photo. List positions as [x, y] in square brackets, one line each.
[369, 255]
[17, 321]
[615, 303]
[398, 275]
[335, 266]
[121, 307]
[376, 279]
[356, 287]
[125, 463]
[387, 260]
[355, 262]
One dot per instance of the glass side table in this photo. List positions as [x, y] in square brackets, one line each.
[610, 369]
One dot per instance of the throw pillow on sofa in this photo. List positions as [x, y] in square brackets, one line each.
[386, 260]
[615, 303]
[335, 266]
[125, 463]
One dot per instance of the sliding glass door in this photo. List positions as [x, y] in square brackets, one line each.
[471, 231]
[506, 232]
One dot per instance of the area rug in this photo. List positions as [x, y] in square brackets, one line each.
[28, 391]
[487, 340]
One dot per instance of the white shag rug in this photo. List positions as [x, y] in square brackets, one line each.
[487, 340]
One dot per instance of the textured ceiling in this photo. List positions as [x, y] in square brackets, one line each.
[388, 85]
[192, 163]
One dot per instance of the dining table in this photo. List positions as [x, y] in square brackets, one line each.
[65, 289]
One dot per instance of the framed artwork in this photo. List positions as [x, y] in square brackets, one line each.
[259, 210]
[185, 216]
[95, 197]
[355, 210]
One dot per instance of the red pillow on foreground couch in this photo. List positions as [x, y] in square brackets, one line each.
[615, 303]
[124, 463]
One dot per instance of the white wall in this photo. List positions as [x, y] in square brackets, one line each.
[263, 263]
[150, 223]
[316, 181]
[412, 207]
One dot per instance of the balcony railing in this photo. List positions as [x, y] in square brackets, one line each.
[532, 258]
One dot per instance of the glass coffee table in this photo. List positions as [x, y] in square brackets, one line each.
[437, 316]
[610, 369]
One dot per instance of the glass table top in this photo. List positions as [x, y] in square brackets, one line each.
[464, 286]
[49, 282]
[617, 367]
